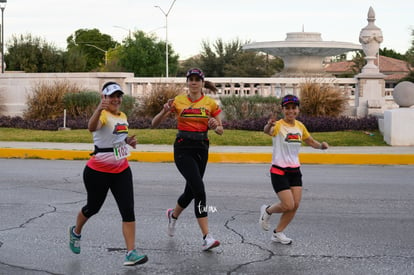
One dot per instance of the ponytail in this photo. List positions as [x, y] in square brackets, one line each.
[210, 85]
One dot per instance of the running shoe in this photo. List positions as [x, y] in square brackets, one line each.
[74, 241]
[280, 237]
[133, 258]
[171, 222]
[264, 218]
[209, 243]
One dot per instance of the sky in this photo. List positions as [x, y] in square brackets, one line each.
[191, 22]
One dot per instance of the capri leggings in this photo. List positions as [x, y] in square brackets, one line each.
[97, 185]
[191, 158]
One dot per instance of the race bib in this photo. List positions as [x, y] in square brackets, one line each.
[121, 150]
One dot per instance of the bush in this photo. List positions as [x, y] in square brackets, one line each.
[145, 123]
[255, 124]
[342, 123]
[240, 107]
[46, 102]
[313, 124]
[81, 104]
[152, 103]
[128, 105]
[321, 100]
[35, 124]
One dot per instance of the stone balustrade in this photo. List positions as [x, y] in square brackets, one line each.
[15, 87]
[246, 86]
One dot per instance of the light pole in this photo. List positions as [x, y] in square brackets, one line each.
[2, 6]
[106, 52]
[120, 27]
[166, 34]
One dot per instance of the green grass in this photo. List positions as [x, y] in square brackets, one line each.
[166, 136]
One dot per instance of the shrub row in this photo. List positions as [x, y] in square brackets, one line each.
[252, 107]
[84, 103]
[313, 124]
[331, 124]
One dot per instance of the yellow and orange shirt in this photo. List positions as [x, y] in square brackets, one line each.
[193, 115]
[287, 140]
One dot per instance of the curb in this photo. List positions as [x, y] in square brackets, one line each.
[218, 157]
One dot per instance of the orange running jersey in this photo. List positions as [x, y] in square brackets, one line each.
[193, 115]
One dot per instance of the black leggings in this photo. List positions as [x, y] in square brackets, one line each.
[97, 185]
[191, 158]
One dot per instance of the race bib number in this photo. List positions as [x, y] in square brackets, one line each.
[121, 150]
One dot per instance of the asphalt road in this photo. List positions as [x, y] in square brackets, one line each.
[352, 220]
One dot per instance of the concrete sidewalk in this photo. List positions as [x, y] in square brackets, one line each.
[379, 155]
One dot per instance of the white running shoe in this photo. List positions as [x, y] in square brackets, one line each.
[171, 222]
[264, 218]
[280, 237]
[209, 243]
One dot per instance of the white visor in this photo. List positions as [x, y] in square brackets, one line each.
[110, 89]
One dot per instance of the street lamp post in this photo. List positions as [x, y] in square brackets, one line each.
[2, 6]
[106, 52]
[166, 34]
[120, 27]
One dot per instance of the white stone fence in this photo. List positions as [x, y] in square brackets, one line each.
[15, 87]
[247, 86]
[273, 86]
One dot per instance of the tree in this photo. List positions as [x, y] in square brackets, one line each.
[33, 54]
[358, 62]
[144, 55]
[192, 62]
[92, 45]
[230, 60]
[113, 61]
[74, 61]
[391, 53]
[214, 58]
[250, 64]
[410, 52]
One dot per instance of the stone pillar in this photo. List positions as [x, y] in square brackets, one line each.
[398, 123]
[371, 86]
[252, 89]
[282, 89]
[272, 90]
[232, 89]
[295, 90]
[241, 91]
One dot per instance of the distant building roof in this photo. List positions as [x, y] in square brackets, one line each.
[391, 65]
[395, 69]
[339, 67]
